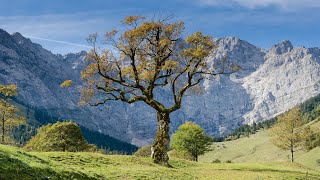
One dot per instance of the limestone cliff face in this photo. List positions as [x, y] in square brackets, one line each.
[269, 83]
[288, 77]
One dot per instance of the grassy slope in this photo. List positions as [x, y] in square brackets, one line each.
[258, 148]
[18, 164]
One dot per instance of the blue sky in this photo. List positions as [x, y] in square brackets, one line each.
[63, 25]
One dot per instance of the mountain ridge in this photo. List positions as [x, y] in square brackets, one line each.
[269, 83]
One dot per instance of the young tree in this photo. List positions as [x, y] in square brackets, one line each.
[147, 55]
[191, 139]
[8, 116]
[287, 132]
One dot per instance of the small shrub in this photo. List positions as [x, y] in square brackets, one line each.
[61, 136]
[229, 161]
[216, 161]
[318, 161]
[144, 151]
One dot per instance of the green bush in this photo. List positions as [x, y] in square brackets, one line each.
[144, 151]
[216, 161]
[61, 136]
[191, 139]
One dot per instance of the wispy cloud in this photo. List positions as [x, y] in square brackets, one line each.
[65, 33]
[57, 41]
[252, 4]
[60, 33]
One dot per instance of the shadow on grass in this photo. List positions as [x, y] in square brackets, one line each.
[12, 168]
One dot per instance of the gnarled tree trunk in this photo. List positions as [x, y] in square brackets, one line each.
[161, 142]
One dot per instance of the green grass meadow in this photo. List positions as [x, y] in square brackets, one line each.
[16, 163]
[251, 157]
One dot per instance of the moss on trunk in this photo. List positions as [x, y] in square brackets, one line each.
[162, 140]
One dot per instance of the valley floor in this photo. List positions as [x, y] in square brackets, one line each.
[15, 163]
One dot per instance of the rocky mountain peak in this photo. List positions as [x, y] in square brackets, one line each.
[20, 39]
[239, 52]
[229, 42]
[4, 33]
[6, 39]
[282, 47]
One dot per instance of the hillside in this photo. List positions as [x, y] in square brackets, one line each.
[17, 164]
[258, 148]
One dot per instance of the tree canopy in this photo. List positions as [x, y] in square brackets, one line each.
[148, 55]
[191, 139]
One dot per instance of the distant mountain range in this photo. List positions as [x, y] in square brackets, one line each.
[269, 83]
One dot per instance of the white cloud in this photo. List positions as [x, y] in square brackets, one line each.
[252, 4]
